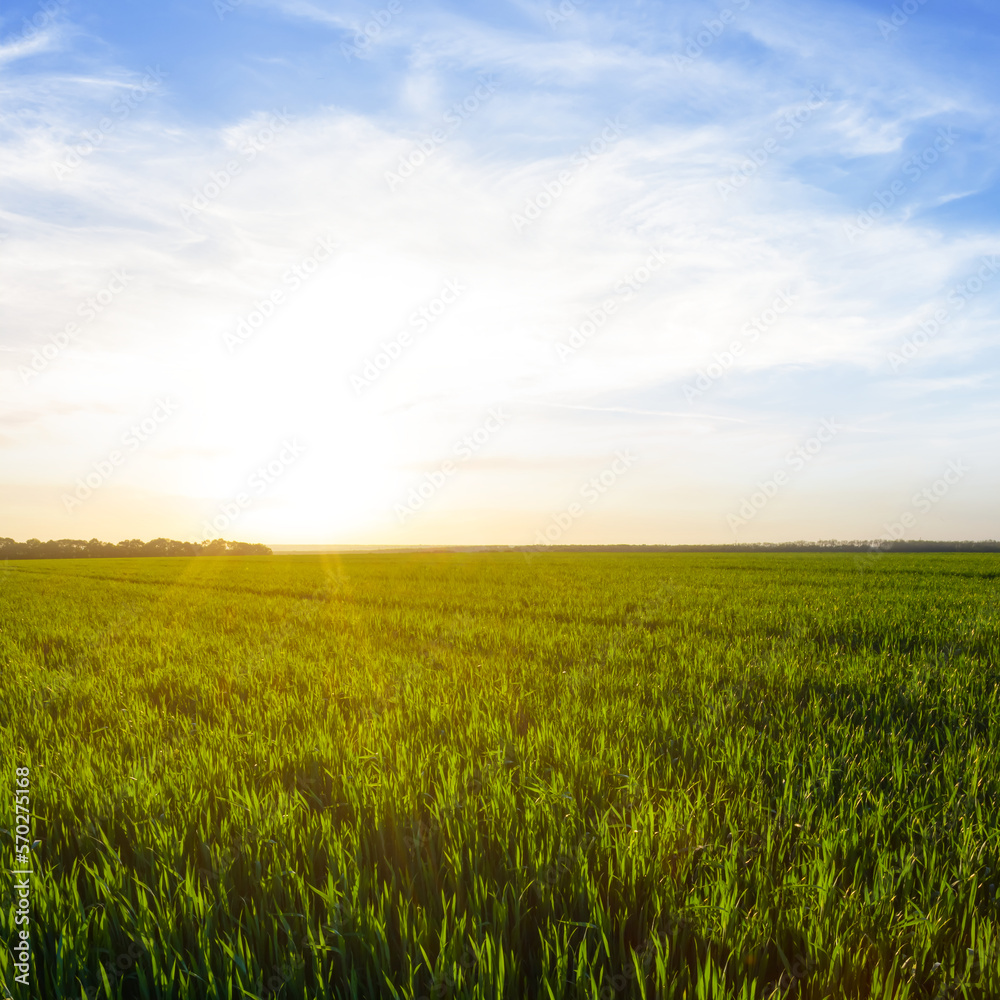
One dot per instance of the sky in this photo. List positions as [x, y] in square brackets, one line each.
[303, 271]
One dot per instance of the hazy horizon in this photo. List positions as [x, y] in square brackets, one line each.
[561, 273]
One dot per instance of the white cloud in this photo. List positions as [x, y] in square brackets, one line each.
[28, 44]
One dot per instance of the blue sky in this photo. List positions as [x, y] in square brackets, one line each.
[336, 241]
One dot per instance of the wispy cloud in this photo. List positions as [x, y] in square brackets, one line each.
[631, 411]
[21, 48]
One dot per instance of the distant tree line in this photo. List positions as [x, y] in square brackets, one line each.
[76, 548]
[830, 545]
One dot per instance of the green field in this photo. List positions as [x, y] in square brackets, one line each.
[505, 775]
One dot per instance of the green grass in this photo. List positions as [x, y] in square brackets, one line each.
[494, 775]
